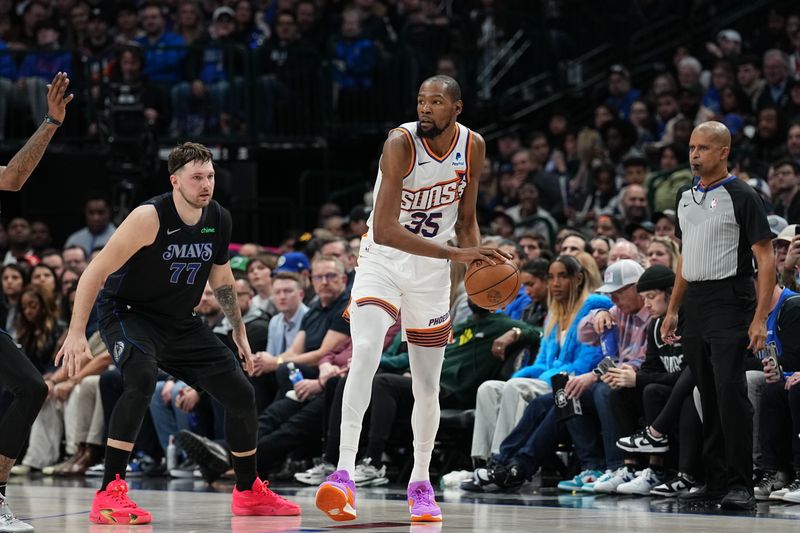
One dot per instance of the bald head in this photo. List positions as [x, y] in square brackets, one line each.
[450, 87]
[715, 132]
[709, 147]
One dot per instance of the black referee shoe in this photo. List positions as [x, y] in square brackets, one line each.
[739, 499]
[701, 496]
[211, 457]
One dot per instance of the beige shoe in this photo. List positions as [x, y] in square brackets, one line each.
[20, 470]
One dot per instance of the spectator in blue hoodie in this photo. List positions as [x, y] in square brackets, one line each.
[354, 60]
[499, 404]
[164, 53]
[37, 67]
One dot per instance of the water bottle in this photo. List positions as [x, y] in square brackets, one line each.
[609, 343]
[172, 454]
[295, 376]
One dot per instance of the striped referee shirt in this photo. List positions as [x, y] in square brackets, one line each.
[718, 226]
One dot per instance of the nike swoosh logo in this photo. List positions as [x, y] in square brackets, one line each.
[171, 231]
[685, 205]
[423, 163]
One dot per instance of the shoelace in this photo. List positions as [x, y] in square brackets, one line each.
[119, 493]
[767, 481]
[422, 496]
[264, 491]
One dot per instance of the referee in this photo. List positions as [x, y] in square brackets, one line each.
[723, 225]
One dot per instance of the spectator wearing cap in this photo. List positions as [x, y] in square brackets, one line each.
[38, 66]
[776, 74]
[662, 392]
[297, 262]
[641, 233]
[665, 222]
[784, 182]
[98, 54]
[620, 93]
[729, 45]
[787, 256]
[631, 319]
[776, 224]
[164, 50]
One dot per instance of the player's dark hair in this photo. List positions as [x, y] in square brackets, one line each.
[451, 87]
[186, 153]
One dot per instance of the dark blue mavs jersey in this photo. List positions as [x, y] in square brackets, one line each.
[168, 277]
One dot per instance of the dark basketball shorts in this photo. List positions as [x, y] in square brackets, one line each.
[184, 348]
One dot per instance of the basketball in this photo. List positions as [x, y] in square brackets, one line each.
[492, 286]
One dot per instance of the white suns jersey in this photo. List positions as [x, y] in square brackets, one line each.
[432, 186]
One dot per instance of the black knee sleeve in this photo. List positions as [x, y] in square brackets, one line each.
[236, 395]
[139, 381]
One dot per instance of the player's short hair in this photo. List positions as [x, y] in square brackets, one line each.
[451, 87]
[186, 153]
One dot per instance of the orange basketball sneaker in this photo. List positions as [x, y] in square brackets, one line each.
[112, 506]
[260, 501]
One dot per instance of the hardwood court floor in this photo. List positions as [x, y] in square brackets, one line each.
[186, 506]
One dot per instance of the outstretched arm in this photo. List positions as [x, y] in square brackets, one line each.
[19, 169]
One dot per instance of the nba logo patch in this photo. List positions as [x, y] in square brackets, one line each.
[119, 347]
[713, 204]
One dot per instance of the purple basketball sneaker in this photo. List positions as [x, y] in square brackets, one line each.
[422, 502]
[336, 497]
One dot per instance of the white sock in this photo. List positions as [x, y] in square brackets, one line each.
[368, 326]
[426, 369]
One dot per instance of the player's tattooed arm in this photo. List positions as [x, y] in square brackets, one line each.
[22, 164]
[226, 296]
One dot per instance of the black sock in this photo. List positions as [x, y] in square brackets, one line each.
[2, 489]
[116, 462]
[245, 468]
[657, 469]
[630, 468]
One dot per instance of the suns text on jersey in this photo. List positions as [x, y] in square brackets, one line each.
[441, 194]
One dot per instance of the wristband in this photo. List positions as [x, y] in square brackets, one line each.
[50, 120]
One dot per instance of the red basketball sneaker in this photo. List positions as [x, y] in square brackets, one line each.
[112, 506]
[260, 501]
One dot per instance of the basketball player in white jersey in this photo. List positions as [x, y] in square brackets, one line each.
[425, 195]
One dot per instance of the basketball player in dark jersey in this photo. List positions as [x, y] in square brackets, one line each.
[17, 373]
[152, 273]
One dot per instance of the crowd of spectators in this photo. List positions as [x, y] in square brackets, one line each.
[587, 211]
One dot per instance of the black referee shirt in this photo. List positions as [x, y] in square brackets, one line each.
[718, 226]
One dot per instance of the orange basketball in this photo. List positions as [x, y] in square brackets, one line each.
[492, 286]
